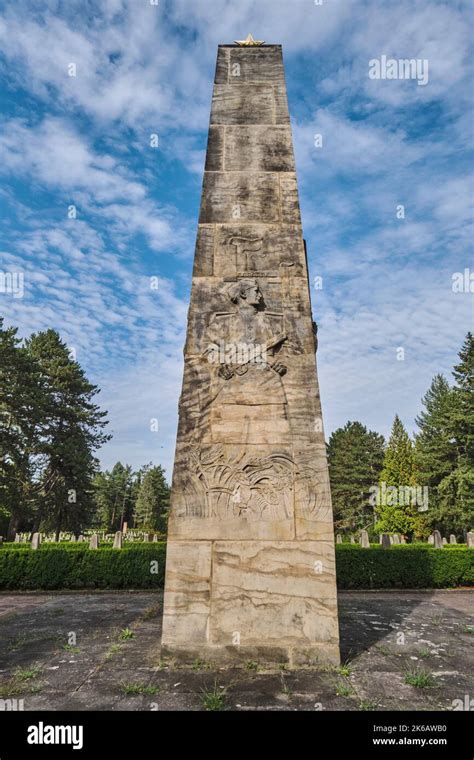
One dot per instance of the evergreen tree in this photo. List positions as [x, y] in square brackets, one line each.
[456, 490]
[153, 500]
[115, 495]
[445, 447]
[398, 510]
[71, 432]
[21, 412]
[435, 450]
[355, 457]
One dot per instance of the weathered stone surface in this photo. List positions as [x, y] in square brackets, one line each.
[94, 542]
[452, 539]
[470, 540]
[204, 252]
[264, 148]
[215, 150]
[243, 105]
[252, 197]
[290, 207]
[385, 541]
[437, 540]
[118, 540]
[282, 115]
[274, 594]
[260, 64]
[222, 65]
[250, 563]
[36, 541]
[187, 598]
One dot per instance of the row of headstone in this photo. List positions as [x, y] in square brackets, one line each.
[93, 540]
[386, 540]
[137, 536]
[438, 542]
[37, 538]
[147, 537]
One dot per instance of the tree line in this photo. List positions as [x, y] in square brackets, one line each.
[410, 485]
[140, 499]
[50, 429]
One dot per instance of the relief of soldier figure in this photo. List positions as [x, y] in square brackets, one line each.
[242, 349]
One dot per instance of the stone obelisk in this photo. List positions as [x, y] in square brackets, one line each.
[250, 567]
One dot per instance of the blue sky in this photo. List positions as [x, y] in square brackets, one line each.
[145, 69]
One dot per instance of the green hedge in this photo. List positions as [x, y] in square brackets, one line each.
[75, 566]
[404, 566]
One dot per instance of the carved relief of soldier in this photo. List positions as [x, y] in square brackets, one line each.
[246, 402]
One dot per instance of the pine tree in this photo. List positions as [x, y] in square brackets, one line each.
[72, 430]
[435, 450]
[445, 447]
[115, 495]
[456, 490]
[355, 457]
[398, 510]
[153, 500]
[21, 413]
[463, 418]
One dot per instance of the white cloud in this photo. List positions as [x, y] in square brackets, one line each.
[54, 154]
[352, 147]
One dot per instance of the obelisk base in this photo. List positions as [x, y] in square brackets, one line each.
[232, 601]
